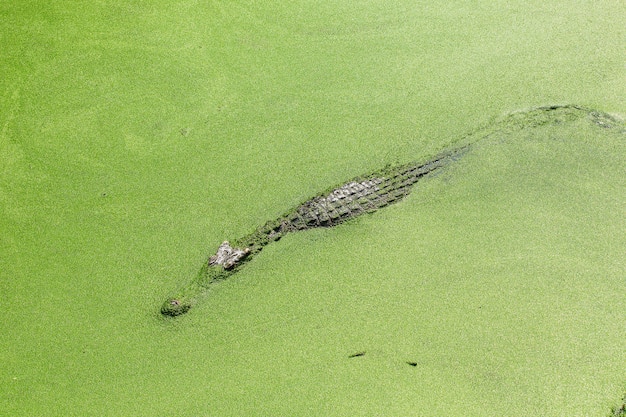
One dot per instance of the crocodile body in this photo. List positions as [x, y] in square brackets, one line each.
[361, 195]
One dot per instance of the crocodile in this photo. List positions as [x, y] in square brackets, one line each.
[364, 194]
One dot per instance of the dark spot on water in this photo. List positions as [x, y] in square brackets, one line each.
[356, 355]
[411, 363]
[621, 411]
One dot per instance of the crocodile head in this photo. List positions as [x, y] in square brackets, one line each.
[175, 307]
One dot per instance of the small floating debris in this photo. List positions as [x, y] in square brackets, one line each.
[356, 355]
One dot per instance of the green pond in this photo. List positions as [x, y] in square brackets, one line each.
[136, 136]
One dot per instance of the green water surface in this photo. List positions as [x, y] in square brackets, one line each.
[135, 136]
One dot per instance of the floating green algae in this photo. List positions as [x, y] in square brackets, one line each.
[135, 136]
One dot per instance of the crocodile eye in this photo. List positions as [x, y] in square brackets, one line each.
[174, 302]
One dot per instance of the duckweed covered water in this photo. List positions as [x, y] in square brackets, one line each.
[135, 137]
